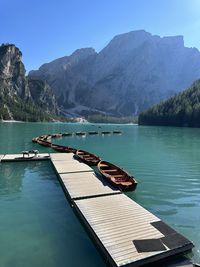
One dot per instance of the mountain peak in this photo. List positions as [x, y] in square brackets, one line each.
[83, 52]
[136, 33]
[129, 41]
[80, 54]
[134, 71]
[10, 59]
[132, 36]
[133, 39]
[174, 40]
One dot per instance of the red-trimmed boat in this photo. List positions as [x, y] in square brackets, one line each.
[116, 176]
[35, 139]
[56, 135]
[44, 142]
[87, 157]
[63, 149]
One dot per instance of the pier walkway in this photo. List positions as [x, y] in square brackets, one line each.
[126, 233]
[78, 179]
[21, 157]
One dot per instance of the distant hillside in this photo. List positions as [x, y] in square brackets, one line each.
[133, 72]
[180, 110]
[22, 98]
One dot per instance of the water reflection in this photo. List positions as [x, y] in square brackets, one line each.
[164, 160]
[37, 225]
[11, 176]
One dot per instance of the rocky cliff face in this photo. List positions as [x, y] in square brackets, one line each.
[19, 92]
[134, 71]
[67, 76]
[42, 95]
[12, 72]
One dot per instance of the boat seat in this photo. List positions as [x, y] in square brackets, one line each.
[111, 170]
[120, 180]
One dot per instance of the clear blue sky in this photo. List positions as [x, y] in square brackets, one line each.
[48, 29]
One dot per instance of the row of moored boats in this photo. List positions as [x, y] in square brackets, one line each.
[85, 133]
[112, 173]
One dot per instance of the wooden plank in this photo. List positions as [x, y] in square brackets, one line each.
[115, 221]
[98, 215]
[119, 229]
[19, 157]
[61, 156]
[117, 207]
[86, 184]
[63, 166]
[116, 235]
[78, 179]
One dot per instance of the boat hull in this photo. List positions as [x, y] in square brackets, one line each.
[63, 149]
[120, 186]
[112, 173]
[82, 155]
[44, 143]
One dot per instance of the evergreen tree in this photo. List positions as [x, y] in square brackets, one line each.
[181, 110]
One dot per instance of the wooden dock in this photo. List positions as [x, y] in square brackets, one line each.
[78, 179]
[127, 234]
[85, 185]
[65, 163]
[21, 157]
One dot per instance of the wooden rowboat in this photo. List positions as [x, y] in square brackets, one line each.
[46, 137]
[92, 132]
[105, 132]
[35, 139]
[56, 135]
[63, 149]
[44, 142]
[87, 157]
[67, 134]
[117, 132]
[117, 176]
[80, 133]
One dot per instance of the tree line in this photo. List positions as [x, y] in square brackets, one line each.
[181, 110]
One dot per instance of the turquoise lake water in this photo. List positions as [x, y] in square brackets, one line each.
[37, 224]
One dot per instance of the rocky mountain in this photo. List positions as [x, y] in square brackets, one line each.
[181, 110]
[68, 77]
[133, 72]
[21, 97]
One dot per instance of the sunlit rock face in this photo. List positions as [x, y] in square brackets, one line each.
[17, 89]
[12, 71]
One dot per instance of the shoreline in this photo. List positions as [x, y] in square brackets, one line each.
[77, 122]
[11, 121]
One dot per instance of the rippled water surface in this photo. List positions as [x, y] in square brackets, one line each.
[36, 218]
[37, 224]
